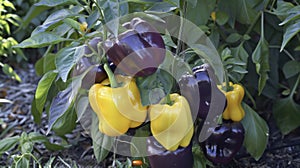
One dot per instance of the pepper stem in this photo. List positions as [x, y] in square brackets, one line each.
[227, 87]
[111, 76]
[168, 100]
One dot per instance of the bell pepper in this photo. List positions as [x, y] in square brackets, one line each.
[234, 110]
[118, 109]
[160, 157]
[96, 75]
[197, 89]
[138, 51]
[172, 125]
[224, 142]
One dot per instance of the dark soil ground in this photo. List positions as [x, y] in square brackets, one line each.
[15, 118]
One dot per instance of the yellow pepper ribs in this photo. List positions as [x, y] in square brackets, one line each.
[172, 125]
[118, 109]
[234, 110]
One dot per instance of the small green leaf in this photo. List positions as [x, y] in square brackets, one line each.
[73, 23]
[260, 57]
[291, 68]
[234, 37]
[286, 113]
[41, 40]
[43, 89]
[9, 143]
[289, 33]
[9, 71]
[256, 132]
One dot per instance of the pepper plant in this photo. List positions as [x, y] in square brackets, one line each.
[99, 52]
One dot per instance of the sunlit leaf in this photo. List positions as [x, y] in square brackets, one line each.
[66, 59]
[289, 33]
[41, 40]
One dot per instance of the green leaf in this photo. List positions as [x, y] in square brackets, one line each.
[221, 17]
[73, 23]
[43, 89]
[256, 132]
[8, 4]
[234, 37]
[292, 16]
[66, 59]
[101, 142]
[242, 10]
[54, 3]
[200, 13]
[155, 87]
[291, 68]
[66, 122]
[289, 33]
[52, 21]
[286, 113]
[37, 116]
[9, 143]
[9, 71]
[41, 40]
[45, 64]
[162, 7]
[260, 58]
[112, 10]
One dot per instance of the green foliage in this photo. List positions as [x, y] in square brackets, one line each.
[22, 147]
[249, 36]
[7, 42]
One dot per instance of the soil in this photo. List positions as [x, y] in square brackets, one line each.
[15, 118]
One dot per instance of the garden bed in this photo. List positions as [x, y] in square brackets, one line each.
[282, 151]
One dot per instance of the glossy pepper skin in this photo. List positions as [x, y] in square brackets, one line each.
[118, 109]
[139, 50]
[197, 89]
[234, 110]
[224, 142]
[172, 125]
[160, 157]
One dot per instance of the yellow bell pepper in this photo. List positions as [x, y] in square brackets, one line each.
[172, 125]
[234, 110]
[118, 109]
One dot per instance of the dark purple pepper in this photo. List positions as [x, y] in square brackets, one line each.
[96, 75]
[159, 157]
[138, 51]
[224, 142]
[196, 89]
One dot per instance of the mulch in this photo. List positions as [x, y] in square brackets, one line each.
[15, 118]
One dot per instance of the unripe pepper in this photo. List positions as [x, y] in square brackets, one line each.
[118, 109]
[138, 51]
[234, 110]
[172, 125]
